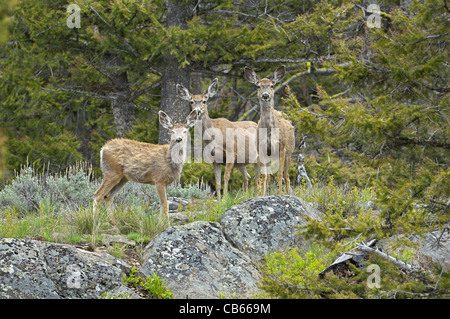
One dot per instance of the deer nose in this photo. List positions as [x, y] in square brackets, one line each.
[179, 139]
[265, 96]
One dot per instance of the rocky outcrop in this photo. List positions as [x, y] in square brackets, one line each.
[265, 224]
[37, 269]
[433, 247]
[196, 261]
[436, 246]
[207, 260]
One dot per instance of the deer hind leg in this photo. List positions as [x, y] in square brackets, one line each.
[281, 170]
[161, 189]
[109, 182]
[256, 168]
[218, 176]
[226, 176]
[245, 176]
[109, 199]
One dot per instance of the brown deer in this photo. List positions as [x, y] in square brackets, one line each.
[272, 119]
[124, 160]
[232, 144]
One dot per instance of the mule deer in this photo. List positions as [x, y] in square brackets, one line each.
[239, 137]
[124, 160]
[270, 119]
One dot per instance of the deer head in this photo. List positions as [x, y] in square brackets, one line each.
[198, 101]
[178, 134]
[265, 85]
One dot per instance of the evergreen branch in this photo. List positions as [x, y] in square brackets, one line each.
[271, 60]
[400, 140]
[109, 97]
[91, 94]
[314, 71]
[434, 88]
[125, 42]
[143, 91]
[430, 37]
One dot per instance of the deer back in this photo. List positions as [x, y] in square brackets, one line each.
[137, 161]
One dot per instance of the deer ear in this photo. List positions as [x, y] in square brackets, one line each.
[183, 92]
[191, 118]
[250, 75]
[165, 120]
[278, 74]
[212, 88]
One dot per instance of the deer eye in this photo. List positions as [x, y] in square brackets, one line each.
[272, 86]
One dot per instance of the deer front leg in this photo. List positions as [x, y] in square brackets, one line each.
[218, 176]
[286, 175]
[257, 168]
[281, 170]
[265, 170]
[161, 189]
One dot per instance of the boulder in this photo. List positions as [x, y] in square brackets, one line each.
[196, 261]
[433, 247]
[265, 224]
[110, 240]
[436, 246]
[38, 269]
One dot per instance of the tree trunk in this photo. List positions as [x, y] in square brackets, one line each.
[305, 91]
[123, 113]
[178, 13]
[122, 109]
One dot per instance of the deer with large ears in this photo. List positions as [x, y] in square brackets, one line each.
[271, 119]
[234, 143]
[124, 160]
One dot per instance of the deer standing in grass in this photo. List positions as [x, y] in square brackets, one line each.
[234, 143]
[124, 160]
[271, 119]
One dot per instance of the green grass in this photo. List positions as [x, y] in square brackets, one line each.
[59, 207]
[211, 210]
[47, 206]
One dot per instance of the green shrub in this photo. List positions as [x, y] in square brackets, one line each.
[68, 191]
[74, 189]
[290, 274]
[152, 285]
[9, 222]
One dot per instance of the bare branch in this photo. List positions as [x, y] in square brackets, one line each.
[397, 262]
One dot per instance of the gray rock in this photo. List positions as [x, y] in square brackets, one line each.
[175, 204]
[196, 261]
[110, 240]
[436, 246]
[264, 224]
[433, 247]
[37, 269]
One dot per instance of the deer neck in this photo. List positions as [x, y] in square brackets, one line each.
[176, 157]
[206, 121]
[267, 119]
